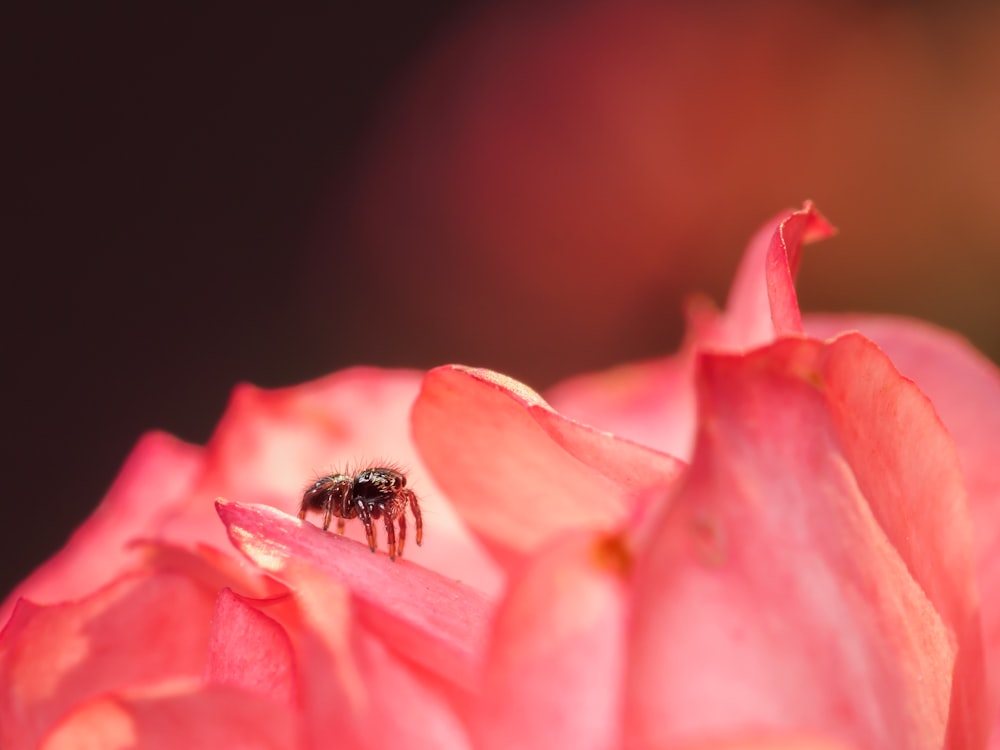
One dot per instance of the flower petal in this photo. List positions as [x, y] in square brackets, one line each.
[249, 650]
[214, 717]
[964, 387]
[364, 628]
[53, 657]
[554, 672]
[214, 568]
[772, 567]
[649, 402]
[762, 302]
[159, 472]
[519, 472]
[907, 466]
[768, 741]
[438, 622]
[359, 687]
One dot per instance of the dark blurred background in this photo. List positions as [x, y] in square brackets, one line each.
[205, 197]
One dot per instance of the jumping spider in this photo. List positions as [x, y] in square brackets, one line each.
[370, 494]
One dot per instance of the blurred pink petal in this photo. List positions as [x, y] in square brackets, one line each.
[157, 475]
[519, 472]
[213, 717]
[439, 623]
[249, 650]
[784, 557]
[556, 662]
[53, 657]
[769, 742]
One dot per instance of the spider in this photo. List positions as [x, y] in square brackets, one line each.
[370, 494]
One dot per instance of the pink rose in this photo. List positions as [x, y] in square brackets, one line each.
[778, 538]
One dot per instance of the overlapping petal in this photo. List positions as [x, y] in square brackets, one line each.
[438, 622]
[554, 673]
[380, 643]
[518, 471]
[158, 475]
[360, 689]
[216, 716]
[782, 590]
[250, 650]
[55, 657]
[965, 389]
[650, 402]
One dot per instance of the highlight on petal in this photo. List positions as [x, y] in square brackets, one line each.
[519, 472]
[554, 671]
[249, 650]
[53, 657]
[772, 567]
[157, 476]
[216, 717]
[435, 621]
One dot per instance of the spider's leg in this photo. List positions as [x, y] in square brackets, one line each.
[348, 507]
[366, 519]
[304, 505]
[390, 535]
[415, 506]
[402, 532]
[336, 500]
[328, 511]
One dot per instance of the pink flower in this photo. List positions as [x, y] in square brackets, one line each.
[778, 538]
